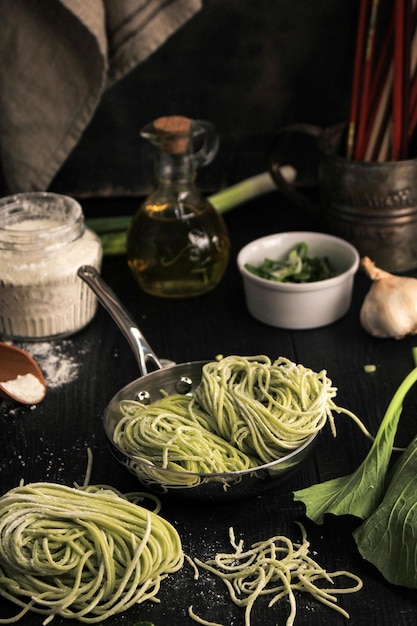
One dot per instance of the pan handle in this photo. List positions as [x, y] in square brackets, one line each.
[106, 296]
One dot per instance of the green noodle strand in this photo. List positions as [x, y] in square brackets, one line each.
[265, 408]
[245, 412]
[168, 435]
[277, 568]
[81, 553]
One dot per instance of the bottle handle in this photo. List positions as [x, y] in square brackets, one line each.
[206, 139]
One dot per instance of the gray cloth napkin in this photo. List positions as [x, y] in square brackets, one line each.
[57, 57]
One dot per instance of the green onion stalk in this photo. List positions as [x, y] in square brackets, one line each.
[112, 230]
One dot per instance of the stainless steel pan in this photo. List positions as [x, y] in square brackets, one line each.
[173, 378]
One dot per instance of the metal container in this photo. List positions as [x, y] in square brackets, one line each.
[373, 205]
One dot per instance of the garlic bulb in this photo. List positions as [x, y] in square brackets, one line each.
[390, 306]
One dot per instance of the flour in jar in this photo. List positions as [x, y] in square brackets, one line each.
[43, 242]
[33, 224]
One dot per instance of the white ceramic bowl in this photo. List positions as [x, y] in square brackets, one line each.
[299, 305]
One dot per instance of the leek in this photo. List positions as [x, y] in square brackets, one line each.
[112, 230]
[248, 189]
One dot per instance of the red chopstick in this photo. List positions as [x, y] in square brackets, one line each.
[413, 87]
[413, 106]
[380, 93]
[366, 82]
[401, 81]
[383, 107]
[357, 75]
[380, 120]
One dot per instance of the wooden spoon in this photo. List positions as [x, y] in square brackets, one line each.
[17, 369]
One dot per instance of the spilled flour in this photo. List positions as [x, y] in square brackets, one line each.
[58, 365]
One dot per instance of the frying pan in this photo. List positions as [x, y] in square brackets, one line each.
[172, 378]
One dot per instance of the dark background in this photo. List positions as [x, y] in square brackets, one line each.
[249, 66]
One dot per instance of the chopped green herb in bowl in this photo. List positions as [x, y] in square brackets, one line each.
[298, 279]
[297, 267]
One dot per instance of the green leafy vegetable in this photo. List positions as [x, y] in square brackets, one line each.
[105, 225]
[388, 538]
[297, 267]
[112, 232]
[245, 190]
[387, 502]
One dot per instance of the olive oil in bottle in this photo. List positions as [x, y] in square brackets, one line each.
[177, 244]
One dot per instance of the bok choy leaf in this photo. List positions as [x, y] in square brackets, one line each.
[388, 538]
[385, 499]
[361, 492]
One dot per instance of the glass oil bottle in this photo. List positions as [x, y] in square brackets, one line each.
[177, 244]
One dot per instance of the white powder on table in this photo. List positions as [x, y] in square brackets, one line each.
[25, 387]
[57, 364]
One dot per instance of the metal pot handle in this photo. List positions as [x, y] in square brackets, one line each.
[286, 148]
[106, 296]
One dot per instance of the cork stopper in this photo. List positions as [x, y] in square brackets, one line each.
[175, 129]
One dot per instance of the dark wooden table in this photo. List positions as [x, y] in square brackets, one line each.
[49, 442]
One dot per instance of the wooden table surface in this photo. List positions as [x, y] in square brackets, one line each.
[49, 442]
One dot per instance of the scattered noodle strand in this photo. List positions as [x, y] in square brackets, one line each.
[275, 567]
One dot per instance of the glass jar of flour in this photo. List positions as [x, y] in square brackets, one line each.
[43, 242]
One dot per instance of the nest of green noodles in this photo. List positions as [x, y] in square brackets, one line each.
[81, 553]
[245, 412]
